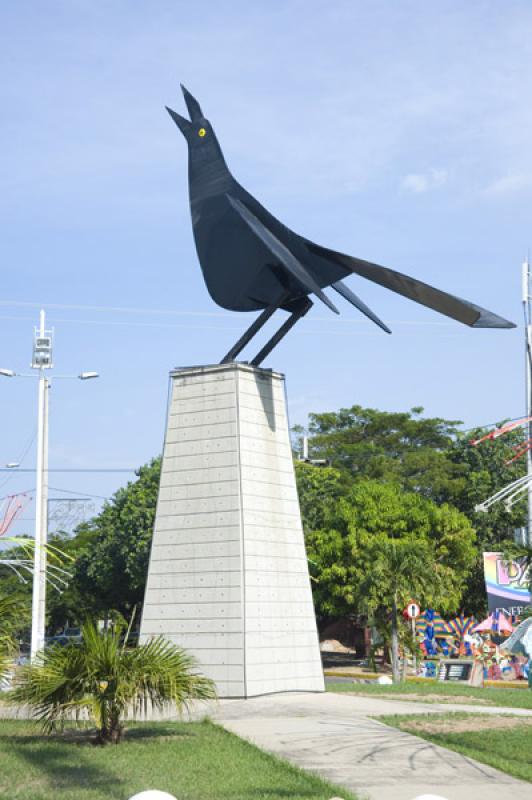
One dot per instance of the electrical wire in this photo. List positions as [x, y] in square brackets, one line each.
[21, 458]
[71, 469]
[490, 424]
[24, 491]
[166, 312]
[113, 309]
[174, 313]
[83, 494]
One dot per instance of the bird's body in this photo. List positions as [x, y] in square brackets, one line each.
[251, 261]
[223, 238]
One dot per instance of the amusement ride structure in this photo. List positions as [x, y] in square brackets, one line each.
[514, 491]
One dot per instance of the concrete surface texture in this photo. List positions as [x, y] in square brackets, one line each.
[338, 737]
[228, 576]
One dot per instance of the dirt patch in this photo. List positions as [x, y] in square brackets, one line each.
[464, 725]
[334, 646]
[440, 698]
[429, 698]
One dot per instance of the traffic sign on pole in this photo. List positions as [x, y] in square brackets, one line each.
[412, 610]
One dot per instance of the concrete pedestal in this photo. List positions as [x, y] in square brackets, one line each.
[228, 577]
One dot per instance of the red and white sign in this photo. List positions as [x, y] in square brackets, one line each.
[412, 610]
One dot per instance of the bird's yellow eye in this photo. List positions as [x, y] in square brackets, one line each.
[202, 132]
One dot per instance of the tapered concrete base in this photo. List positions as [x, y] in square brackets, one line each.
[228, 577]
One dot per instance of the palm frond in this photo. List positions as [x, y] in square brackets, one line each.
[11, 610]
[107, 681]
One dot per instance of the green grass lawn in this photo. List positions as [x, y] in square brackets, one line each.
[506, 749]
[193, 761]
[510, 698]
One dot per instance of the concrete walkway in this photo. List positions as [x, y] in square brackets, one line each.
[334, 735]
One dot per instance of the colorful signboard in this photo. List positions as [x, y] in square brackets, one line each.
[507, 583]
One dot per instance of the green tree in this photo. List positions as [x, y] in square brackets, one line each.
[110, 570]
[11, 610]
[396, 447]
[17, 586]
[485, 470]
[64, 602]
[107, 558]
[107, 679]
[432, 457]
[382, 546]
[70, 605]
[317, 488]
[16, 581]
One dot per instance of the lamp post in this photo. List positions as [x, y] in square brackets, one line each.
[527, 310]
[41, 361]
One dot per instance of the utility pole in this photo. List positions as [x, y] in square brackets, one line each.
[41, 361]
[527, 311]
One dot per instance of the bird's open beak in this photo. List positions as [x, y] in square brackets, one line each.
[193, 106]
[183, 124]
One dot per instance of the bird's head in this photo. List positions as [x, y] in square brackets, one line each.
[198, 130]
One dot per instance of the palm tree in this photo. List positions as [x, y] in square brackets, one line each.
[10, 614]
[105, 678]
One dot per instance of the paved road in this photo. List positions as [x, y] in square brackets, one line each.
[334, 735]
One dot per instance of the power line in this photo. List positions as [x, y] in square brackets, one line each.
[123, 323]
[26, 450]
[316, 331]
[113, 309]
[83, 494]
[70, 469]
[491, 424]
[21, 458]
[175, 313]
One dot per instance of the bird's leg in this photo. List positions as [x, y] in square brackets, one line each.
[261, 320]
[300, 309]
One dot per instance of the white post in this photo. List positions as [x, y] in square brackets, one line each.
[528, 372]
[44, 516]
[42, 360]
[39, 570]
[414, 657]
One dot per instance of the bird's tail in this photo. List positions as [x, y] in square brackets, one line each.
[352, 298]
[454, 307]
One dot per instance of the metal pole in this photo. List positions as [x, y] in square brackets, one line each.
[44, 511]
[41, 361]
[37, 632]
[528, 371]
[414, 658]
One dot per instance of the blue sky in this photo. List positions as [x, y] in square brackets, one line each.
[395, 131]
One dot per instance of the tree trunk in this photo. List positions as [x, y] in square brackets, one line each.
[115, 727]
[110, 733]
[404, 666]
[395, 644]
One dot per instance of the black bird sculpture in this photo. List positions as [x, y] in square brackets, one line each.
[251, 261]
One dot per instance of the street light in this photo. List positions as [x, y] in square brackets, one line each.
[41, 360]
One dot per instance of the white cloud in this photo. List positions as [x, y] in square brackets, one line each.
[510, 183]
[419, 182]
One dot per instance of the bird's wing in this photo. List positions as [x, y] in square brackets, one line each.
[352, 298]
[285, 256]
[454, 307]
